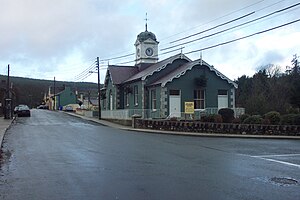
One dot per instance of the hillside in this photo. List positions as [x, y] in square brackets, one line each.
[31, 91]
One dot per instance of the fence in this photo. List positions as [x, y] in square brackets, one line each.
[128, 113]
[156, 114]
[207, 111]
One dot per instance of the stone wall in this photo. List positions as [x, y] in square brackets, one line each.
[202, 127]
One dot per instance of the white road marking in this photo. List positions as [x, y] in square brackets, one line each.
[280, 155]
[278, 161]
[268, 158]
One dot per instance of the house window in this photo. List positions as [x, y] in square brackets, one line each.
[199, 99]
[174, 92]
[126, 99]
[222, 92]
[153, 99]
[136, 95]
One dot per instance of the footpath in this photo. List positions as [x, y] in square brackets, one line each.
[4, 125]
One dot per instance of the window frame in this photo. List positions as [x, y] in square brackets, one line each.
[153, 100]
[126, 99]
[199, 98]
[135, 95]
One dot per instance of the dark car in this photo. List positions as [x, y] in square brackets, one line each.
[22, 111]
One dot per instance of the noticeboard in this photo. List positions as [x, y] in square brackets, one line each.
[189, 107]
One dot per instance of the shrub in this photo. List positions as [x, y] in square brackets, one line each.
[290, 119]
[265, 121]
[273, 117]
[227, 114]
[297, 119]
[207, 118]
[212, 118]
[218, 119]
[254, 119]
[173, 119]
[236, 120]
[243, 117]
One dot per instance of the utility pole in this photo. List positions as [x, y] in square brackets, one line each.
[54, 108]
[99, 91]
[7, 99]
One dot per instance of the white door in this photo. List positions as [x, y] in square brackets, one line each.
[222, 101]
[175, 103]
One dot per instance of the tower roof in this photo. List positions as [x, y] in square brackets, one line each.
[143, 36]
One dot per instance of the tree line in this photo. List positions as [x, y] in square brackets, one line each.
[270, 89]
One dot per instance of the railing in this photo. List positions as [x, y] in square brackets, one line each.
[156, 114]
[128, 113]
[207, 111]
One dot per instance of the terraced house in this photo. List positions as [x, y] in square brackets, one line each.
[159, 89]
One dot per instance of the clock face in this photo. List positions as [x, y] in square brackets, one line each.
[149, 51]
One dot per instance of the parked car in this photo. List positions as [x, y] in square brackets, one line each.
[68, 108]
[22, 111]
[17, 108]
[43, 107]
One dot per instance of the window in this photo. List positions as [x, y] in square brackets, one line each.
[136, 95]
[126, 99]
[199, 99]
[153, 99]
[174, 92]
[222, 92]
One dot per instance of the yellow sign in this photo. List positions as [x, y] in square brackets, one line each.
[189, 107]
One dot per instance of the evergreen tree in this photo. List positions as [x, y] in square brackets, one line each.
[295, 83]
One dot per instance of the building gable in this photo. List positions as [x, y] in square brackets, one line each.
[149, 71]
[188, 66]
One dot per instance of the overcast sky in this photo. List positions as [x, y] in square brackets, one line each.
[61, 38]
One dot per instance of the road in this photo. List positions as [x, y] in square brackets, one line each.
[52, 155]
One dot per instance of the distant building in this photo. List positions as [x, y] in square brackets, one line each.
[63, 96]
[159, 89]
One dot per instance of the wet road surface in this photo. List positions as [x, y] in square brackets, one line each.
[52, 155]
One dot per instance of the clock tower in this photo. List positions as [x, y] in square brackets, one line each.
[146, 47]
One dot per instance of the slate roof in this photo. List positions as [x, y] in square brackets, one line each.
[123, 74]
[180, 71]
[156, 67]
[94, 102]
[119, 74]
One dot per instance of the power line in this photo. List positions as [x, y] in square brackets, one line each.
[115, 58]
[217, 18]
[231, 41]
[223, 24]
[233, 13]
[84, 77]
[241, 38]
[127, 55]
[131, 54]
[87, 69]
[222, 31]
[83, 73]
[122, 63]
